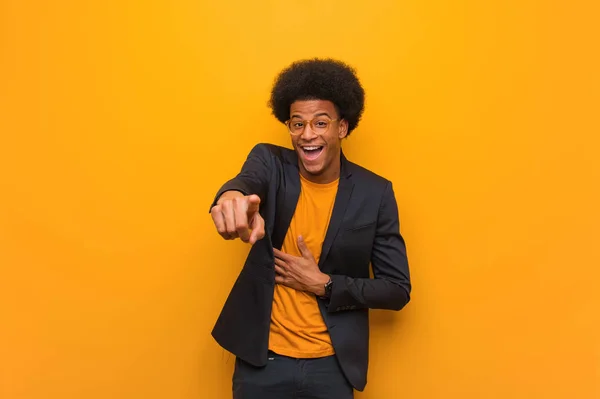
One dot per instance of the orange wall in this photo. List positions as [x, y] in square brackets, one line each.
[119, 120]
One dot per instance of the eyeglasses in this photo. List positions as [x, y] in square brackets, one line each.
[319, 125]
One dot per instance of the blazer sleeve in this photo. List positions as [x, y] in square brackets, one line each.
[390, 288]
[254, 176]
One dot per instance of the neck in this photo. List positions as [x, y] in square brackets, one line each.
[331, 173]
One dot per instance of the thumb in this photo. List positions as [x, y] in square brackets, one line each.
[304, 249]
[253, 204]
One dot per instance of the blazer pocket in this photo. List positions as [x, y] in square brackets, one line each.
[355, 245]
[360, 226]
[360, 235]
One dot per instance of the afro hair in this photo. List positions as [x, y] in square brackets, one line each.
[319, 79]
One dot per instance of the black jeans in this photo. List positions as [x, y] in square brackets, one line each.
[290, 378]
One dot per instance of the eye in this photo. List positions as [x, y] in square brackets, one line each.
[321, 123]
[297, 125]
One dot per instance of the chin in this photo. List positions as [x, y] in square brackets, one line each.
[314, 170]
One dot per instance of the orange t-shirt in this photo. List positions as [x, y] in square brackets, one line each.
[297, 327]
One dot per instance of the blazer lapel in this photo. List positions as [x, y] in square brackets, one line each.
[286, 203]
[342, 198]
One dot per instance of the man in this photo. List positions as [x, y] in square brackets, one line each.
[297, 316]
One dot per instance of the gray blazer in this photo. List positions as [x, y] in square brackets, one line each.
[363, 230]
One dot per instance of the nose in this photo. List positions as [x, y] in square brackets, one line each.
[308, 133]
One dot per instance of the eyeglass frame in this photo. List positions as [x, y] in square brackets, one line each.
[287, 123]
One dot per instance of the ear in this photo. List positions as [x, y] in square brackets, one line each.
[343, 129]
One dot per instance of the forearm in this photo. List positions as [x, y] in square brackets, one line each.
[252, 179]
[375, 293]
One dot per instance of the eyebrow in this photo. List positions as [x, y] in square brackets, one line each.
[316, 115]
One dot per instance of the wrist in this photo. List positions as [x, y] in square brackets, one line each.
[319, 288]
[230, 194]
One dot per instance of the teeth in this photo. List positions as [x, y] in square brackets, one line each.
[311, 148]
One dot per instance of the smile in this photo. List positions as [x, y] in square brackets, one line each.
[312, 152]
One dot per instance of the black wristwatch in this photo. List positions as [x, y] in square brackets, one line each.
[328, 286]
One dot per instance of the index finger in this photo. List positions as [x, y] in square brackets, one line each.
[281, 255]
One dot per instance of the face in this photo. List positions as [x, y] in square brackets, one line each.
[318, 152]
